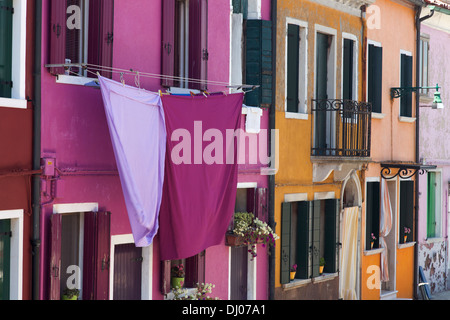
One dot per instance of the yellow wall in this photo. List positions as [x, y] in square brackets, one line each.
[295, 172]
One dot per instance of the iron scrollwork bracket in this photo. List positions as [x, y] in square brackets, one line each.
[403, 173]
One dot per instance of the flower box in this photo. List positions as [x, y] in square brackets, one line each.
[233, 240]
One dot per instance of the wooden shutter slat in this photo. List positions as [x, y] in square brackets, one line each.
[431, 205]
[406, 81]
[331, 235]
[285, 242]
[5, 49]
[55, 257]
[348, 70]
[406, 208]
[377, 79]
[315, 232]
[168, 42]
[89, 256]
[165, 276]
[58, 35]
[198, 42]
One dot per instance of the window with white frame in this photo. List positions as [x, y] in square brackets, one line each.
[12, 53]
[424, 48]
[296, 66]
[434, 211]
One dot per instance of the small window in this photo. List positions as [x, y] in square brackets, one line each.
[423, 64]
[184, 43]
[296, 69]
[81, 33]
[309, 234]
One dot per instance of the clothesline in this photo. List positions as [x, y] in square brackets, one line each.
[93, 69]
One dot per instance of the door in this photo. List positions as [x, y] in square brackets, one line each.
[239, 258]
[127, 272]
[5, 249]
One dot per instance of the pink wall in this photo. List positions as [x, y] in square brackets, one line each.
[74, 128]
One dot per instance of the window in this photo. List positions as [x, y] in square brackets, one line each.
[194, 271]
[375, 77]
[433, 204]
[296, 68]
[184, 43]
[406, 69]
[372, 213]
[309, 232]
[423, 64]
[12, 53]
[81, 32]
[5, 256]
[406, 210]
[80, 249]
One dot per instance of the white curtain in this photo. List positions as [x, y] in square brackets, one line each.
[385, 228]
[349, 252]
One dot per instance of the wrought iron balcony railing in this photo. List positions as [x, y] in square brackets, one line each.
[340, 128]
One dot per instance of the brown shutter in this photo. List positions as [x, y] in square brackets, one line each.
[198, 42]
[168, 41]
[58, 35]
[55, 256]
[97, 242]
[165, 276]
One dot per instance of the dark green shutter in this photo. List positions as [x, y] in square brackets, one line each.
[5, 253]
[331, 247]
[372, 213]
[5, 48]
[431, 205]
[321, 89]
[406, 208]
[258, 62]
[347, 85]
[286, 217]
[240, 6]
[406, 81]
[303, 239]
[293, 41]
[375, 77]
[315, 233]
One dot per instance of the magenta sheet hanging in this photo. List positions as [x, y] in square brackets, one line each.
[136, 124]
[200, 183]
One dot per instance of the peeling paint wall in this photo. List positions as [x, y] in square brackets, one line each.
[433, 259]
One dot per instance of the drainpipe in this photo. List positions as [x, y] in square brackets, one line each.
[272, 126]
[416, 193]
[36, 241]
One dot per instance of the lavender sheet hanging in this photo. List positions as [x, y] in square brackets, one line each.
[200, 183]
[136, 124]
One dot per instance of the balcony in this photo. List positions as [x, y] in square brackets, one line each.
[340, 128]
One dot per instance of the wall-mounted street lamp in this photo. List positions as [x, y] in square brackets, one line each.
[437, 102]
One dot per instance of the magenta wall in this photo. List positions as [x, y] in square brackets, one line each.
[74, 129]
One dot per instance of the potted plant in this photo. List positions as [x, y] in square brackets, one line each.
[407, 231]
[250, 231]
[293, 271]
[178, 276]
[71, 294]
[321, 265]
[373, 240]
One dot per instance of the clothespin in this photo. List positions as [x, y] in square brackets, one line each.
[192, 94]
[137, 81]
[160, 93]
[121, 79]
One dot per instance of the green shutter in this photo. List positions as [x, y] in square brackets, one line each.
[431, 205]
[5, 253]
[331, 247]
[258, 62]
[5, 48]
[293, 41]
[240, 6]
[315, 233]
[372, 213]
[286, 217]
[321, 90]
[347, 85]
[375, 75]
[405, 82]
[303, 239]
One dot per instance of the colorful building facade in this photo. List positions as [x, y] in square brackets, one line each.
[324, 132]
[82, 204]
